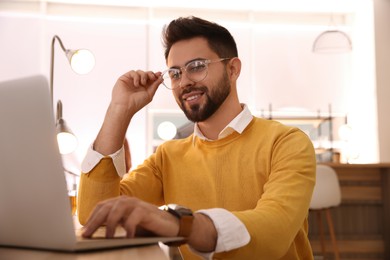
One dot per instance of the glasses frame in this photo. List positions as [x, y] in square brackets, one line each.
[184, 70]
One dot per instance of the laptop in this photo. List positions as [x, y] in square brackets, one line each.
[35, 209]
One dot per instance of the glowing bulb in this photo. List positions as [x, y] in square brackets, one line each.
[67, 142]
[82, 61]
[166, 130]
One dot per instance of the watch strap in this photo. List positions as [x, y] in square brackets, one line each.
[185, 225]
[185, 218]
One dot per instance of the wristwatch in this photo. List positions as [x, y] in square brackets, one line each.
[186, 219]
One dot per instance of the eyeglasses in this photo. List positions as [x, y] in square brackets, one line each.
[195, 71]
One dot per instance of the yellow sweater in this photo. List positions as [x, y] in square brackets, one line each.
[264, 176]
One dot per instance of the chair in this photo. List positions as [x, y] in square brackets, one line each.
[326, 195]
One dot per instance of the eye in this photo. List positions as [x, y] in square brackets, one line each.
[196, 66]
[174, 74]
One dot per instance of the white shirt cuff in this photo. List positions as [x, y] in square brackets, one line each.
[93, 158]
[232, 233]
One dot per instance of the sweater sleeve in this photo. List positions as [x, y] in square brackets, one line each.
[101, 183]
[278, 223]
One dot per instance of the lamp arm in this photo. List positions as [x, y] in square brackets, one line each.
[59, 110]
[55, 37]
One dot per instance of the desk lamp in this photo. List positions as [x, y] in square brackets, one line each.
[81, 61]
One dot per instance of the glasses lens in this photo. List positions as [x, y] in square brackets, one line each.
[196, 70]
[171, 78]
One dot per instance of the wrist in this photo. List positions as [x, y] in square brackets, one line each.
[112, 134]
[120, 111]
[204, 238]
[185, 218]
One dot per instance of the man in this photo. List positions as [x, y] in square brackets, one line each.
[248, 180]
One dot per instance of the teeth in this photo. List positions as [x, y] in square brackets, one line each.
[192, 97]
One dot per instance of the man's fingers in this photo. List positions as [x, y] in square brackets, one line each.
[130, 213]
[96, 219]
[119, 212]
[142, 78]
[154, 86]
[131, 222]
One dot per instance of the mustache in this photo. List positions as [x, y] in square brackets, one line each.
[191, 89]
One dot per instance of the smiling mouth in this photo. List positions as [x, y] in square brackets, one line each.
[193, 97]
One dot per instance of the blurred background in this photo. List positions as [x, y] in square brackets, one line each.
[281, 75]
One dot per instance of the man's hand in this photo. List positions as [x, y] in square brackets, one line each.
[132, 91]
[135, 89]
[131, 213]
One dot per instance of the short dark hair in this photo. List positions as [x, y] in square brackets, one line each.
[183, 28]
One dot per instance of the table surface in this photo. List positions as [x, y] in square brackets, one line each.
[142, 252]
[153, 252]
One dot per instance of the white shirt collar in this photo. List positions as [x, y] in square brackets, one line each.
[238, 124]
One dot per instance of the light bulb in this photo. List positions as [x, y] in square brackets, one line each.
[166, 130]
[82, 61]
[67, 142]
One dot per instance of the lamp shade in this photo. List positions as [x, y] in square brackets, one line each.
[332, 41]
[67, 141]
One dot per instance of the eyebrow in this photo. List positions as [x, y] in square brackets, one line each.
[195, 59]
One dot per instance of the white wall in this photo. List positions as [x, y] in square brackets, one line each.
[278, 66]
[20, 46]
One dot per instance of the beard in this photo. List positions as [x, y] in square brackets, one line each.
[214, 99]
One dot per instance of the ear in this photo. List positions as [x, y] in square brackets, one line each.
[234, 66]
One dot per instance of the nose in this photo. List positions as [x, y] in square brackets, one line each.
[185, 81]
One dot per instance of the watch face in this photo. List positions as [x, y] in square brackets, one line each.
[182, 211]
[173, 206]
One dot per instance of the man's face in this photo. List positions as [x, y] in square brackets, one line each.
[199, 100]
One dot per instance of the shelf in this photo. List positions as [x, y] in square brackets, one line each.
[314, 121]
